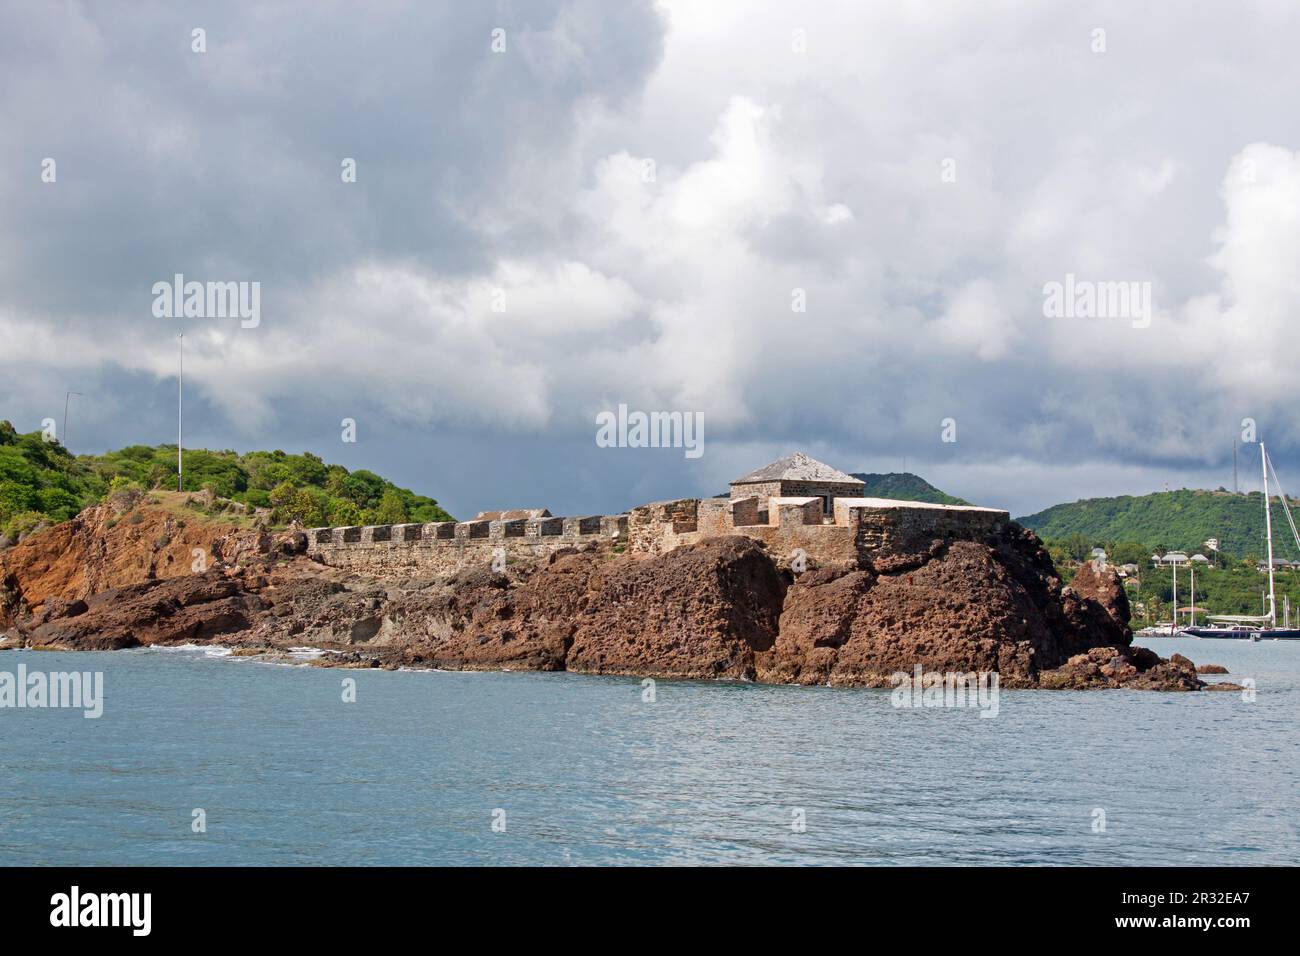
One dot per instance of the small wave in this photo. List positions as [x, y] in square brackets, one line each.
[207, 650]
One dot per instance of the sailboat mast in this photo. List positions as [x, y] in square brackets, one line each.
[1268, 530]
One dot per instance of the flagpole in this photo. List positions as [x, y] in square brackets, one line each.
[66, 396]
[180, 402]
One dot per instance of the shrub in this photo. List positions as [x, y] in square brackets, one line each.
[23, 524]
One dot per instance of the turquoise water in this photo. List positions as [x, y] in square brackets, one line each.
[588, 773]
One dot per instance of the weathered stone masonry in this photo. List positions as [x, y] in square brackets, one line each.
[860, 528]
[797, 506]
[449, 545]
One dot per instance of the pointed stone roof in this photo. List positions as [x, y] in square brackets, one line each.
[798, 467]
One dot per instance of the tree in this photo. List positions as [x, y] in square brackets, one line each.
[16, 497]
[306, 469]
[335, 482]
[344, 513]
[60, 505]
[1078, 546]
[283, 502]
[1129, 552]
[282, 494]
[392, 509]
[306, 507]
[364, 487]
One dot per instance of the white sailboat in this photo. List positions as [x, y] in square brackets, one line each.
[1263, 627]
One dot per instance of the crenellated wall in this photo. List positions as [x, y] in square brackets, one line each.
[792, 528]
[450, 545]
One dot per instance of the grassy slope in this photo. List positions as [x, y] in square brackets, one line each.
[41, 483]
[1171, 519]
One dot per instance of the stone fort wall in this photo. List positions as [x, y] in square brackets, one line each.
[858, 529]
[450, 545]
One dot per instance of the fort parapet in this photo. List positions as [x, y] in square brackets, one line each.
[797, 506]
[449, 545]
[858, 529]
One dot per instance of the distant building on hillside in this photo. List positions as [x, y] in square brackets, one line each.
[1278, 564]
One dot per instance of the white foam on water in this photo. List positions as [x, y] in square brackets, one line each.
[208, 650]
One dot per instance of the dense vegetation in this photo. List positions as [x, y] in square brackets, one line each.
[1132, 529]
[905, 487]
[41, 484]
[1170, 520]
[1232, 590]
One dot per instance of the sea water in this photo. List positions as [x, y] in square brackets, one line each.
[204, 758]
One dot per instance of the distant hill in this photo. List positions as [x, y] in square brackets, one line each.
[904, 486]
[41, 483]
[1169, 520]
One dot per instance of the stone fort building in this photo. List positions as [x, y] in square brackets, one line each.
[797, 476]
[800, 508]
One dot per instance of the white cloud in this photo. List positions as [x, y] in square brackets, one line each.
[772, 171]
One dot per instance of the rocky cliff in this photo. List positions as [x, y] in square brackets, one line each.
[125, 541]
[721, 608]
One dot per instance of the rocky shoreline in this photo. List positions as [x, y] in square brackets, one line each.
[119, 576]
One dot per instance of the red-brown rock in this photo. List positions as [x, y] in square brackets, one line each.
[721, 608]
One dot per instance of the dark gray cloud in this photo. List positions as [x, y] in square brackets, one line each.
[620, 208]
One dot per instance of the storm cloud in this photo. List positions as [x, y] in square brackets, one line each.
[823, 227]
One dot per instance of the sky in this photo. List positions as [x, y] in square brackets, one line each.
[829, 227]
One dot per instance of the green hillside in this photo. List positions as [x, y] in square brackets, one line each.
[1230, 590]
[1170, 520]
[905, 487]
[42, 484]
